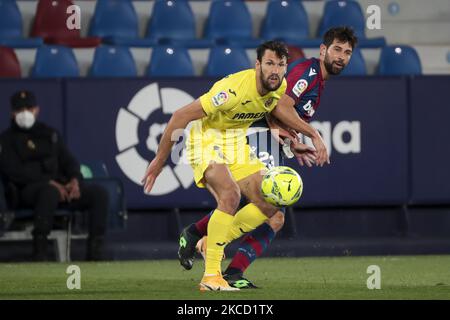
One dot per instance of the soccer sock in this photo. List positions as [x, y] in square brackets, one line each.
[252, 246]
[200, 228]
[218, 226]
[245, 220]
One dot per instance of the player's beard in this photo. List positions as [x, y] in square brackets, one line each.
[266, 83]
[331, 66]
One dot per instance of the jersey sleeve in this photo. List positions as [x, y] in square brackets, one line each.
[298, 81]
[221, 97]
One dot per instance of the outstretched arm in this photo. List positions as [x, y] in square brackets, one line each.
[179, 120]
[285, 112]
[292, 147]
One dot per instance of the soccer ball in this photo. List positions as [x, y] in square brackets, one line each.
[281, 186]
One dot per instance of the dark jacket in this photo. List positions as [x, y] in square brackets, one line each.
[35, 155]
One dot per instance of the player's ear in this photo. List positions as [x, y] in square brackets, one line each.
[323, 50]
[257, 64]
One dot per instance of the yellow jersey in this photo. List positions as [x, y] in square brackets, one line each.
[231, 106]
[234, 103]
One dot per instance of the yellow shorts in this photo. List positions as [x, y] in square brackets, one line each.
[242, 161]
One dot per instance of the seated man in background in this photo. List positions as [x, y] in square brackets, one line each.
[42, 174]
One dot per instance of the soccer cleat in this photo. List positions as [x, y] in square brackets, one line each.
[238, 281]
[186, 249]
[201, 247]
[215, 283]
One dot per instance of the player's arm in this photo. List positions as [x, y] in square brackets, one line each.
[292, 147]
[179, 120]
[285, 112]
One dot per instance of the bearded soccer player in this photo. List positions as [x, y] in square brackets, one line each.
[305, 83]
[221, 157]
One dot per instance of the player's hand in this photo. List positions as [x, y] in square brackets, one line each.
[322, 153]
[304, 154]
[152, 172]
[281, 134]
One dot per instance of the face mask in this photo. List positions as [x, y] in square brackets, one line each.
[25, 119]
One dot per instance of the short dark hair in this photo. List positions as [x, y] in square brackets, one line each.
[342, 34]
[278, 47]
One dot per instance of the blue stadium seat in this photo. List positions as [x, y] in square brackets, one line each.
[170, 62]
[54, 62]
[230, 23]
[173, 23]
[98, 174]
[116, 22]
[356, 66]
[285, 20]
[11, 27]
[348, 13]
[223, 61]
[399, 60]
[113, 62]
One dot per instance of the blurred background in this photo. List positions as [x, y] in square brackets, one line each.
[109, 73]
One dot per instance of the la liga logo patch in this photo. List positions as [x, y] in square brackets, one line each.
[299, 87]
[220, 98]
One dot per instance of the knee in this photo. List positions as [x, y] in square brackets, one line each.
[97, 193]
[276, 222]
[266, 208]
[230, 198]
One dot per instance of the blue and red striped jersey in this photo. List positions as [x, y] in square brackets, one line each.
[304, 85]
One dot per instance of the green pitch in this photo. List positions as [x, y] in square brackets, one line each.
[402, 277]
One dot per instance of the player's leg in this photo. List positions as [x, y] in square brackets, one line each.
[220, 183]
[191, 235]
[256, 242]
[261, 233]
[188, 240]
[208, 163]
[252, 246]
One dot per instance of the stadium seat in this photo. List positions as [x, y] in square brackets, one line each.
[9, 64]
[173, 23]
[113, 62]
[285, 20]
[356, 66]
[399, 60]
[10, 211]
[223, 61]
[170, 62]
[54, 62]
[348, 13]
[116, 22]
[50, 23]
[230, 23]
[11, 31]
[117, 205]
